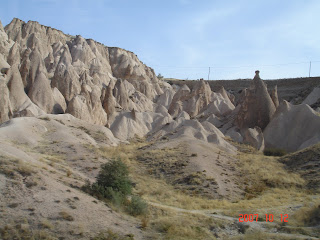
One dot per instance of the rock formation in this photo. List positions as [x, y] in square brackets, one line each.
[46, 71]
[254, 137]
[293, 127]
[313, 97]
[257, 107]
[274, 96]
[53, 68]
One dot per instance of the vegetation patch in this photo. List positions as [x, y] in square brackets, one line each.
[114, 185]
[278, 152]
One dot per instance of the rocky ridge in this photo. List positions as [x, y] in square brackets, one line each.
[44, 71]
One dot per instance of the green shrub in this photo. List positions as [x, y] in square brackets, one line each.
[113, 177]
[113, 184]
[274, 152]
[137, 206]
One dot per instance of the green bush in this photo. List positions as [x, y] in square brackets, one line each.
[113, 178]
[113, 183]
[137, 206]
[274, 152]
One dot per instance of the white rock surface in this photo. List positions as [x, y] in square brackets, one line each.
[293, 127]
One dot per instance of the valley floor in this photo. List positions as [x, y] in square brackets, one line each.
[184, 183]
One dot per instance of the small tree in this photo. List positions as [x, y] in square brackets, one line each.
[114, 177]
[159, 76]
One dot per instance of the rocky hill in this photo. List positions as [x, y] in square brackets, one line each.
[69, 104]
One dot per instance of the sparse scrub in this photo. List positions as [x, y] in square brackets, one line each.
[308, 216]
[274, 152]
[137, 206]
[25, 232]
[66, 216]
[9, 166]
[110, 235]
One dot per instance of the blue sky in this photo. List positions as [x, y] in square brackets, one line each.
[183, 38]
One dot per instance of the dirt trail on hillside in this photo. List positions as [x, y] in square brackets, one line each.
[260, 226]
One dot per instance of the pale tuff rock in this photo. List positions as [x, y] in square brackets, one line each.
[166, 98]
[65, 77]
[274, 96]
[41, 94]
[126, 65]
[60, 104]
[313, 97]
[109, 102]
[220, 105]
[184, 115]
[17, 94]
[98, 114]
[234, 134]
[31, 64]
[213, 119]
[4, 66]
[14, 54]
[176, 103]
[161, 109]
[140, 102]
[5, 105]
[78, 107]
[20, 102]
[121, 95]
[32, 34]
[5, 42]
[200, 99]
[293, 127]
[77, 66]
[125, 127]
[257, 107]
[254, 137]
[193, 129]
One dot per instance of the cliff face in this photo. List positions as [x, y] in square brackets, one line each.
[50, 63]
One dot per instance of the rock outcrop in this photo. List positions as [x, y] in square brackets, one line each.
[61, 73]
[293, 127]
[313, 97]
[41, 93]
[257, 107]
[200, 99]
[274, 96]
[254, 137]
[5, 105]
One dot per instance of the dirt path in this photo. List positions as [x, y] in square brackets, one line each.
[261, 226]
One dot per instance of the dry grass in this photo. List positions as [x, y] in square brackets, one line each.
[10, 166]
[66, 216]
[171, 225]
[267, 171]
[24, 231]
[271, 189]
[308, 215]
